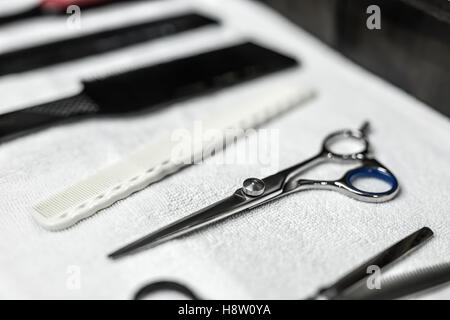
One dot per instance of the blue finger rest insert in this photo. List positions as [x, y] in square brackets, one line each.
[374, 173]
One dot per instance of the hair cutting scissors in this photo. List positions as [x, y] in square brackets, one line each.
[255, 192]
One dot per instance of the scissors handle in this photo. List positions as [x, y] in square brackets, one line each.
[328, 154]
[370, 168]
[165, 286]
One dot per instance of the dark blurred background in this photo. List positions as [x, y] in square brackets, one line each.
[411, 50]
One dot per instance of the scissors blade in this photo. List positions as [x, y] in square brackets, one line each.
[196, 220]
[381, 260]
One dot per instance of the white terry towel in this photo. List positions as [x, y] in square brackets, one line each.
[285, 249]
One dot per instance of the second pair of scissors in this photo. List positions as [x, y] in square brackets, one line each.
[255, 192]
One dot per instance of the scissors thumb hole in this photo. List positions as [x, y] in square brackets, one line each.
[371, 180]
[345, 144]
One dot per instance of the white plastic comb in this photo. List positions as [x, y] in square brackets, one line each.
[144, 167]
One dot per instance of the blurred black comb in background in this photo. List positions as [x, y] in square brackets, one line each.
[61, 51]
[151, 86]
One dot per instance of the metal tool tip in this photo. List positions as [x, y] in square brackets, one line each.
[119, 253]
[427, 230]
[114, 255]
[143, 243]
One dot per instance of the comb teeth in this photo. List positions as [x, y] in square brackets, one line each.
[18, 122]
[76, 105]
[78, 194]
[145, 166]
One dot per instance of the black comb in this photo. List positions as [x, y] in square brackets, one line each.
[87, 45]
[151, 86]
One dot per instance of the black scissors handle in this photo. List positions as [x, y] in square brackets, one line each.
[154, 287]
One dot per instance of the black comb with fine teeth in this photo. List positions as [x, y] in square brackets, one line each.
[61, 51]
[149, 87]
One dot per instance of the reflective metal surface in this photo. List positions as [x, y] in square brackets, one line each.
[402, 285]
[391, 254]
[253, 187]
[256, 192]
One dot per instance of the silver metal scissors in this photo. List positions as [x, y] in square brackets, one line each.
[255, 192]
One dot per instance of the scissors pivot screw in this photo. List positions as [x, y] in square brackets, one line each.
[253, 187]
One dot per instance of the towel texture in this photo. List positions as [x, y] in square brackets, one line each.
[286, 249]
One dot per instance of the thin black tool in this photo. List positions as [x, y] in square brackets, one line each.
[393, 253]
[57, 52]
[352, 286]
[151, 86]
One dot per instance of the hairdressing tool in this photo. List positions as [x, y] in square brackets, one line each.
[57, 52]
[353, 286]
[403, 285]
[150, 86]
[255, 192]
[146, 166]
[339, 290]
[165, 286]
[54, 8]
